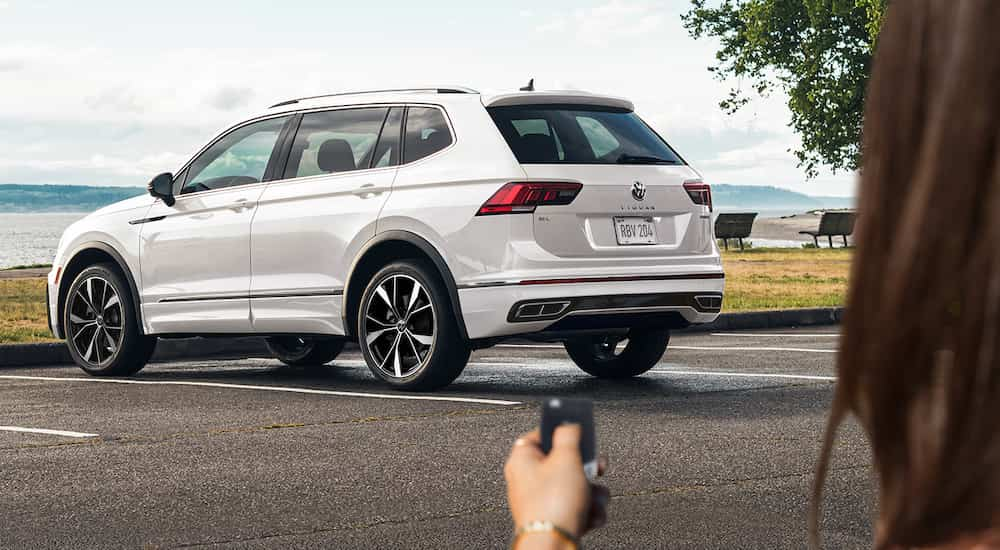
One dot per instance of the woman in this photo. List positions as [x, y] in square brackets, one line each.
[919, 365]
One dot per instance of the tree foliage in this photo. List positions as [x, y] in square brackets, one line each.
[817, 51]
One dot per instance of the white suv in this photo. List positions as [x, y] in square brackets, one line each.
[420, 223]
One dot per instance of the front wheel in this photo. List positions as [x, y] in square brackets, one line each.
[102, 331]
[304, 351]
[619, 357]
[408, 334]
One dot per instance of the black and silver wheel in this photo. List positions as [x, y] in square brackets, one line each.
[619, 356]
[304, 351]
[102, 332]
[407, 333]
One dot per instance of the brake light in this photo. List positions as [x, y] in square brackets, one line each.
[699, 192]
[523, 198]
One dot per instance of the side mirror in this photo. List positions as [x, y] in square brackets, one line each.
[162, 187]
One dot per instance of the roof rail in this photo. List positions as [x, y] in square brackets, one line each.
[441, 90]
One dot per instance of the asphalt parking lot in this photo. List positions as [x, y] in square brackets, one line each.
[714, 448]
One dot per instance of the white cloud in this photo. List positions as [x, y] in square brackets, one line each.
[230, 97]
[607, 22]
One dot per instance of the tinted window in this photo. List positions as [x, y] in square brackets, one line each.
[387, 150]
[426, 133]
[334, 141]
[564, 134]
[239, 158]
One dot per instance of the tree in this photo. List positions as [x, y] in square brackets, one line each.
[818, 52]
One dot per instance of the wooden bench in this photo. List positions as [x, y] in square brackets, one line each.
[734, 226]
[833, 224]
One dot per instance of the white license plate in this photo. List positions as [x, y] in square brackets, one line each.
[635, 231]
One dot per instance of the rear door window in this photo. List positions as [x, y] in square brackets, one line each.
[575, 134]
[334, 141]
[427, 133]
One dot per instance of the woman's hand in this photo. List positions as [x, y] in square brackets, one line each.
[552, 487]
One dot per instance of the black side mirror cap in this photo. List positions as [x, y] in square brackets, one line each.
[162, 187]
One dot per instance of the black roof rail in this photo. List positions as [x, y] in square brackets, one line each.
[443, 90]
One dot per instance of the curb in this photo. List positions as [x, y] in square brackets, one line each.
[33, 355]
[782, 318]
[30, 355]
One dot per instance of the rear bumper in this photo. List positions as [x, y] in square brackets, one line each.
[516, 309]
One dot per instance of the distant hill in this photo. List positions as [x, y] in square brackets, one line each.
[80, 198]
[758, 197]
[61, 198]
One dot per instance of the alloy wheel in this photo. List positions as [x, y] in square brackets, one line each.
[399, 326]
[96, 321]
[609, 347]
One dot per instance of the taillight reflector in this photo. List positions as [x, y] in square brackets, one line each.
[523, 198]
[699, 192]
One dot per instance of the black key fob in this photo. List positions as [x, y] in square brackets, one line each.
[559, 410]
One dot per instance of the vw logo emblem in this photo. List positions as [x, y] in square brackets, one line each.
[638, 191]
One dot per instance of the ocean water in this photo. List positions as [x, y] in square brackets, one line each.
[32, 238]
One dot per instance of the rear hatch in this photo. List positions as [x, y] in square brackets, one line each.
[638, 197]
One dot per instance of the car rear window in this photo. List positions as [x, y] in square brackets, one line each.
[575, 134]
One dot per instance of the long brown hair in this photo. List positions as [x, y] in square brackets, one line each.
[919, 364]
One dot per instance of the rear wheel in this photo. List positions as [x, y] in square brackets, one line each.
[304, 351]
[102, 331]
[619, 356]
[407, 333]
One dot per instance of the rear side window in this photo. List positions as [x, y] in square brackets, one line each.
[427, 132]
[575, 134]
[334, 141]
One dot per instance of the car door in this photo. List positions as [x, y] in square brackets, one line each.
[309, 224]
[195, 255]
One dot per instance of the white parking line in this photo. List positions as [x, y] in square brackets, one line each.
[695, 348]
[310, 391]
[45, 432]
[746, 375]
[723, 348]
[778, 334]
[539, 346]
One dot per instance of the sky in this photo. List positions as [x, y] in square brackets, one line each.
[110, 92]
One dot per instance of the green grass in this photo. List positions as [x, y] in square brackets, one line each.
[29, 266]
[756, 279]
[785, 278]
[22, 311]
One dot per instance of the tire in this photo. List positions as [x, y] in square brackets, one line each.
[304, 351]
[410, 343]
[597, 355]
[109, 342]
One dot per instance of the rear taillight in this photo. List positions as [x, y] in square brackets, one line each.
[699, 192]
[522, 198]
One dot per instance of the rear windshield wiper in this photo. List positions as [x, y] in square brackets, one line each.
[642, 159]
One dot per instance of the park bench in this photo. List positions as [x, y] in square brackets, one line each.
[831, 225]
[734, 226]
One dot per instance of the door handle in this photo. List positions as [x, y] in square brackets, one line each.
[240, 205]
[366, 191]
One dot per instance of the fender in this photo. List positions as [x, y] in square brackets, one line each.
[430, 251]
[110, 250]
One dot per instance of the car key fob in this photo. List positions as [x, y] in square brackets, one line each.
[559, 410]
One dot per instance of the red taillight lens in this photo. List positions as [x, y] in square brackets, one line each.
[699, 192]
[522, 198]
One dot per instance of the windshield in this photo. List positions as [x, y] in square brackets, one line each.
[575, 134]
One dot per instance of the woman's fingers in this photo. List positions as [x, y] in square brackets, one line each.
[566, 439]
[602, 465]
[526, 451]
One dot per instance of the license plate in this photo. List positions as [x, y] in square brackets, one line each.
[630, 231]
